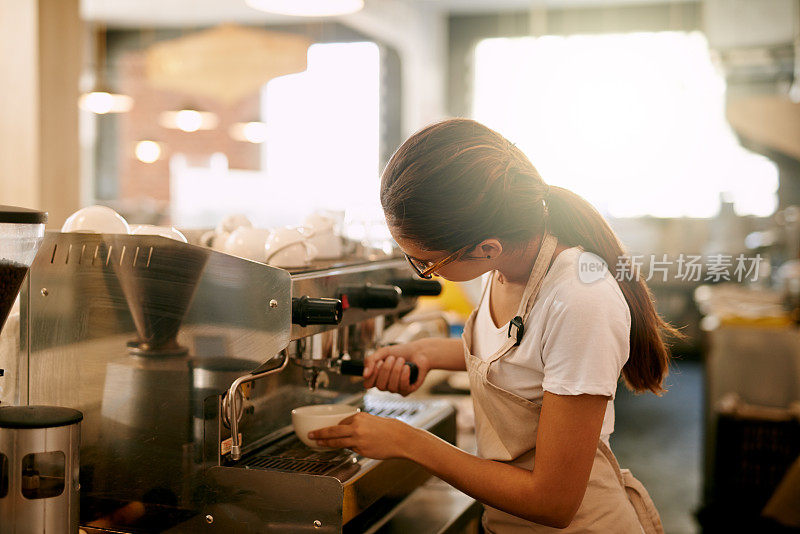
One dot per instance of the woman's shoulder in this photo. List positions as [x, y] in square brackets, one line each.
[576, 284]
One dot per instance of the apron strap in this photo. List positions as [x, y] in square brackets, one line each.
[516, 327]
[547, 248]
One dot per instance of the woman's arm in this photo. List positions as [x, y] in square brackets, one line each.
[569, 430]
[444, 353]
[386, 369]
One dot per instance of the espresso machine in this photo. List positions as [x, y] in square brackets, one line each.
[186, 363]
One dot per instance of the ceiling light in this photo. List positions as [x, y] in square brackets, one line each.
[102, 102]
[188, 120]
[249, 132]
[101, 99]
[307, 8]
[148, 151]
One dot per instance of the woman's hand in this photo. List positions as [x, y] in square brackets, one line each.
[368, 435]
[385, 368]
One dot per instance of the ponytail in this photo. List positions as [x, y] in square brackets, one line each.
[575, 222]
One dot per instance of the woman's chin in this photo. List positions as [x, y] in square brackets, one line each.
[452, 278]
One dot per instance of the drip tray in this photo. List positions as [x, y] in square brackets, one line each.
[312, 467]
[291, 455]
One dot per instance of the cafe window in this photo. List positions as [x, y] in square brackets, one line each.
[635, 122]
[323, 126]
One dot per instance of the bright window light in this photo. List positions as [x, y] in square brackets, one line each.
[635, 123]
[323, 128]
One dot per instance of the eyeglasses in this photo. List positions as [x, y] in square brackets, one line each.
[425, 269]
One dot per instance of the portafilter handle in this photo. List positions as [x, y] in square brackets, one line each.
[356, 368]
[417, 287]
[370, 296]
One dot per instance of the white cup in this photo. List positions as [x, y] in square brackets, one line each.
[170, 232]
[214, 240]
[324, 237]
[247, 242]
[320, 223]
[97, 220]
[232, 222]
[309, 418]
[329, 246]
[217, 238]
[289, 247]
[207, 239]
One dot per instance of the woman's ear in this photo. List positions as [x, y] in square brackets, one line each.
[489, 249]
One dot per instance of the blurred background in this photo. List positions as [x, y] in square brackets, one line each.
[678, 120]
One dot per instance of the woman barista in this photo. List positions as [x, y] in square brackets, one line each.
[544, 350]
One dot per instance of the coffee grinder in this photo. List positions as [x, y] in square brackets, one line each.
[21, 232]
[39, 445]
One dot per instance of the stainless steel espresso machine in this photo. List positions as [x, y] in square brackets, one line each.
[186, 364]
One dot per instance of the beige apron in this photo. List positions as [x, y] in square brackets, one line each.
[506, 427]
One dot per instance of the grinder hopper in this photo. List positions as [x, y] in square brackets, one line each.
[159, 277]
[21, 232]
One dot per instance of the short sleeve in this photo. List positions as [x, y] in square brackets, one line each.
[586, 339]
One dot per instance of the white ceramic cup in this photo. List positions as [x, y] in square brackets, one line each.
[329, 246]
[170, 232]
[309, 418]
[324, 237]
[207, 239]
[97, 220]
[289, 247]
[247, 242]
[232, 222]
[320, 223]
[218, 237]
[214, 240]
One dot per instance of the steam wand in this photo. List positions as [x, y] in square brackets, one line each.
[230, 407]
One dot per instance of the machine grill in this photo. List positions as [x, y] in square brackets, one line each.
[295, 466]
[290, 455]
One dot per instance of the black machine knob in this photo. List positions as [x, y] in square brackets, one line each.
[370, 296]
[310, 311]
[416, 287]
[356, 368]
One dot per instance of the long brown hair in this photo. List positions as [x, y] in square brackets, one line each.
[458, 182]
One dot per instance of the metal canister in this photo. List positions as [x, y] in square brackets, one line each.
[39, 467]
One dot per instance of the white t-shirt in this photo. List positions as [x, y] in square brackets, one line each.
[576, 339]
